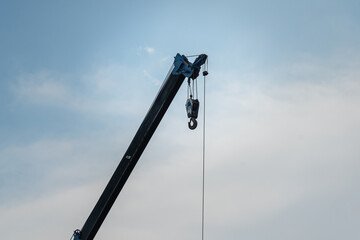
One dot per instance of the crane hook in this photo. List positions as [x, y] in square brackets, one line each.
[192, 109]
[192, 123]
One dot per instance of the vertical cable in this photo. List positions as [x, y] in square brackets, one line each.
[203, 171]
[196, 88]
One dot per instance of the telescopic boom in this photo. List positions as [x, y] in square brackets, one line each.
[181, 69]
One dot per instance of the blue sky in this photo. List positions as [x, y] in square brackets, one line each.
[77, 78]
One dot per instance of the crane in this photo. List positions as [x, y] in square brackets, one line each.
[180, 70]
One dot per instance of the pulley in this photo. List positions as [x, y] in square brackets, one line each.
[192, 110]
[192, 103]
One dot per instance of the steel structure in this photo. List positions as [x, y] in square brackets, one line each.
[181, 69]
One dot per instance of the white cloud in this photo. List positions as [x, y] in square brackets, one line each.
[276, 145]
[41, 87]
[110, 90]
[165, 59]
[149, 50]
[154, 80]
[50, 213]
[276, 149]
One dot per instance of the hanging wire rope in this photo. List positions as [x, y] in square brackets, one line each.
[193, 56]
[205, 72]
[196, 88]
[192, 91]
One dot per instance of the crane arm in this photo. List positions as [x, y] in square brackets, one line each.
[182, 68]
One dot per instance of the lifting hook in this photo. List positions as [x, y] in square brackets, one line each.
[192, 123]
[192, 109]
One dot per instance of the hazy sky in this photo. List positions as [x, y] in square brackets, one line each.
[282, 118]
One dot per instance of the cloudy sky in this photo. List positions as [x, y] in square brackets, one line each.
[282, 118]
